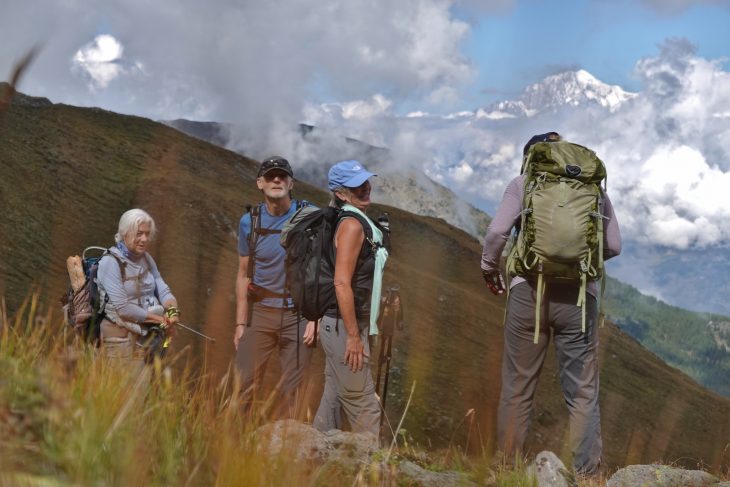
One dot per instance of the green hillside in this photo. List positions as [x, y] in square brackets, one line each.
[68, 173]
[683, 339]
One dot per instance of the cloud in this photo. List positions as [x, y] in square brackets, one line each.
[100, 60]
[259, 65]
[667, 149]
[377, 105]
[252, 63]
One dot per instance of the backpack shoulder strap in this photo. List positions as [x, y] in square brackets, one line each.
[372, 246]
[365, 224]
[152, 265]
[253, 237]
[122, 265]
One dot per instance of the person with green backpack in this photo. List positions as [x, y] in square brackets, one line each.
[565, 230]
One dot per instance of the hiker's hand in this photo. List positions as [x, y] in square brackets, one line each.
[494, 281]
[309, 333]
[170, 326]
[237, 335]
[354, 353]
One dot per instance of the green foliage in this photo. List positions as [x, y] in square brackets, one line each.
[683, 339]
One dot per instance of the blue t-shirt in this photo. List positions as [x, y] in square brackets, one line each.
[269, 270]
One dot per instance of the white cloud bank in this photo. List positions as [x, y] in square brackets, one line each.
[667, 149]
[254, 63]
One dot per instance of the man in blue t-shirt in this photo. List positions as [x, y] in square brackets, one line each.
[265, 317]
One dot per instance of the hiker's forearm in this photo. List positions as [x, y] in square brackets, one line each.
[164, 294]
[346, 307]
[501, 225]
[241, 300]
[612, 234]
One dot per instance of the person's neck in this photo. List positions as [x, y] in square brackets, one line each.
[278, 207]
[362, 208]
[129, 253]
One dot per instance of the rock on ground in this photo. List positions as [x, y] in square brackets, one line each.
[660, 476]
[350, 450]
[549, 470]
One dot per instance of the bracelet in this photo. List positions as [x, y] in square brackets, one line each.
[172, 311]
[241, 324]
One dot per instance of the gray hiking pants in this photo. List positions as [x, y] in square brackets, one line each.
[274, 328]
[353, 391]
[577, 356]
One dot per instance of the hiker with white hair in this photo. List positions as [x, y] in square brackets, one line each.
[140, 311]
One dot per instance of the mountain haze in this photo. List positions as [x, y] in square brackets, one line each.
[400, 186]
[68, 173]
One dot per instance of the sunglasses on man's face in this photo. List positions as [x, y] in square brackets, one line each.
[271, 175]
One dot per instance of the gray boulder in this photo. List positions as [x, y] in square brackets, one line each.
[408, 473]
[660, 476]
[549, 470]
[351, 452]
[305, 443]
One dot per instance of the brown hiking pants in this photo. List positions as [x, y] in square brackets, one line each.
[274, 329]
[577, 356]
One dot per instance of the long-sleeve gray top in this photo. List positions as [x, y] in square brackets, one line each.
[131, 298]
[508, 215]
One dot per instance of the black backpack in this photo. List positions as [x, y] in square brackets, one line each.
[257, 231]
[83, 307]
[308, 240]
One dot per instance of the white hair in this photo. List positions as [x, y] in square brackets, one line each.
[336, 202]
[130, 222]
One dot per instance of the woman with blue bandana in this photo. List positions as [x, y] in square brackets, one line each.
[141, 309]
[360, 255]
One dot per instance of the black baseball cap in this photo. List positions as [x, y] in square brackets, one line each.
[547, 137]
[275, 162]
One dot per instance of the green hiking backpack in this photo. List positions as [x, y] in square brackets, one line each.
[560, 235]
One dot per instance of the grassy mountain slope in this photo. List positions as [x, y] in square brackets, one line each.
[68, 173]
[688, 340]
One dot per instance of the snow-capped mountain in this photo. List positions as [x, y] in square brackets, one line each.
[568, 89]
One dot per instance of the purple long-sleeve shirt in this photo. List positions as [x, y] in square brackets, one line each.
[129, 301]
[508, 215]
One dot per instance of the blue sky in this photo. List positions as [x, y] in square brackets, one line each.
[523, 44]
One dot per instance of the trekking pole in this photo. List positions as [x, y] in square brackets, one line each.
[394, 312]
[195, 331]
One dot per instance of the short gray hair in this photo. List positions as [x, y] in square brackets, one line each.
[131, 221]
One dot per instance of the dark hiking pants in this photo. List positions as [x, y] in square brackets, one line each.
[272, 329]
[577, 357]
